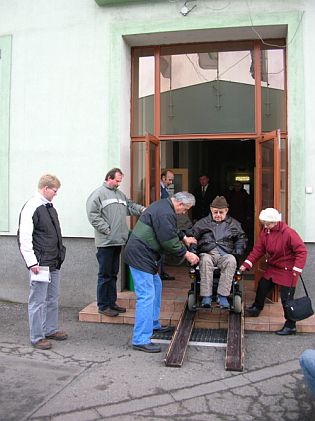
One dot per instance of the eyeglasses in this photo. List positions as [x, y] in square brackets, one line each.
[54, 190]
[221, 212]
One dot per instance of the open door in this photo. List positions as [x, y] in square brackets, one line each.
[145, 164]
[270, 174]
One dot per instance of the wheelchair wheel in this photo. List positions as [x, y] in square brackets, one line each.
[237, 304]
[191, 302]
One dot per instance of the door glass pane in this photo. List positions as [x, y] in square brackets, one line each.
[143, 91]
[283, 178]
[138, 172]
[206, 91]
[267, 155]
[272, 90]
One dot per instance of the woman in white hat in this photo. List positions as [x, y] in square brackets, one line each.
[285, 254]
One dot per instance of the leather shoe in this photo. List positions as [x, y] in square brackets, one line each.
[166, 277]
[286, 331]
[109, 312]
[150, 347]
[119, 309]
[163, 329]
[252, 311]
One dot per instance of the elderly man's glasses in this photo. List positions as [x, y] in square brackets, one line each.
[221, 212]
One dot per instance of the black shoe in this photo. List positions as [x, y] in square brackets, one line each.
[119, 309]
[163, 329]
[166, 277]
[108, 312]
[252, 311]
[150, 347]
[286, 331]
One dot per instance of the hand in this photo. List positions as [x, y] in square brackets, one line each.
[192, 258]
[35, 269]
[242, 268]
[189, 240]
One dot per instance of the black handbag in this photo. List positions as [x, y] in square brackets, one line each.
[296, 309]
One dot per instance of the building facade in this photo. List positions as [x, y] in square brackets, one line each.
[85, 85]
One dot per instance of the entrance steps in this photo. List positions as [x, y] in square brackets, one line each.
[174, 297]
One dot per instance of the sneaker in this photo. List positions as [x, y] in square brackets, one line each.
[223, 301]
[42, 344]
[109, 312]
[206, 302]
[58, 336]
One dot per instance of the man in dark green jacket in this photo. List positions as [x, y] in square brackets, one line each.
[154, 234]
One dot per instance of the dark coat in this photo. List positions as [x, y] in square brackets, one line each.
[228, 235]
[202, 206]
[154, 234]
[285, 254]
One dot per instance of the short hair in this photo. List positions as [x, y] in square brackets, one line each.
[111, 173]
[49, 181]
[164, 173]
[185, 197]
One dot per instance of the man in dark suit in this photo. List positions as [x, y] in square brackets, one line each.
[167, 178]
[204, 195]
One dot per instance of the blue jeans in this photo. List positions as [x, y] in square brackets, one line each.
[307, 362]
[108, 260]
[148, 289]
[43, 307]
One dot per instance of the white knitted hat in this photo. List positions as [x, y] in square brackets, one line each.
[270, 215]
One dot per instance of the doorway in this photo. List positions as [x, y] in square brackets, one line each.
[224, 161]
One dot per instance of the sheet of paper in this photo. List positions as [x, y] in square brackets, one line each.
[42, 276]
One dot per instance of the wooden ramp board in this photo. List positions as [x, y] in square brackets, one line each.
[234, 360]
[179, 343]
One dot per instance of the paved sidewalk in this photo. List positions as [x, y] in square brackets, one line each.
[95, 375]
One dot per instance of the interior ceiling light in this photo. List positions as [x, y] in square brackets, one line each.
[185, 9]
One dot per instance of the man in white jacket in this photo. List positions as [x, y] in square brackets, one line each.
[40, 242]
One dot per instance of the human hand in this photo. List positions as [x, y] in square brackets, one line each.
[192, 258]
[189, 240]
[35, 269]
[242, 268]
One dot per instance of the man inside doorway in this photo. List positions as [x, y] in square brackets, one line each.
[203, 195]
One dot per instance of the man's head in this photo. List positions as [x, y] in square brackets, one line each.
[48, 186]
[167, 177]
[219, 208]
[114, 177]
[238, 186]
[182, 202]
[204, 180]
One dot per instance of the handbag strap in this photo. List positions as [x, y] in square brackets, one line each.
[306, 293]
[291, 286]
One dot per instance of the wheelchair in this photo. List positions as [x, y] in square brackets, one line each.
[194, 299]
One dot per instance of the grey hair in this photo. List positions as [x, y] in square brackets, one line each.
[185, 197]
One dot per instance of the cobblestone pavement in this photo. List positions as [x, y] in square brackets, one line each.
[95, 375]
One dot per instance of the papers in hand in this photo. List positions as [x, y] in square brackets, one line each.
[42, 276]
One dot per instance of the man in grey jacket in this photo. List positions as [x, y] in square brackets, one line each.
[107, 208]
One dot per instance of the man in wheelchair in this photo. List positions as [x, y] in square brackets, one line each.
[221, 241]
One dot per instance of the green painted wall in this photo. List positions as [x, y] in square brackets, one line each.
[5, 76]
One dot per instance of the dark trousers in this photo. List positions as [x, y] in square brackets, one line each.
[108, 260]
[264, 287]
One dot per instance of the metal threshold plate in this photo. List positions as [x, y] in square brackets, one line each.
[199, 337]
